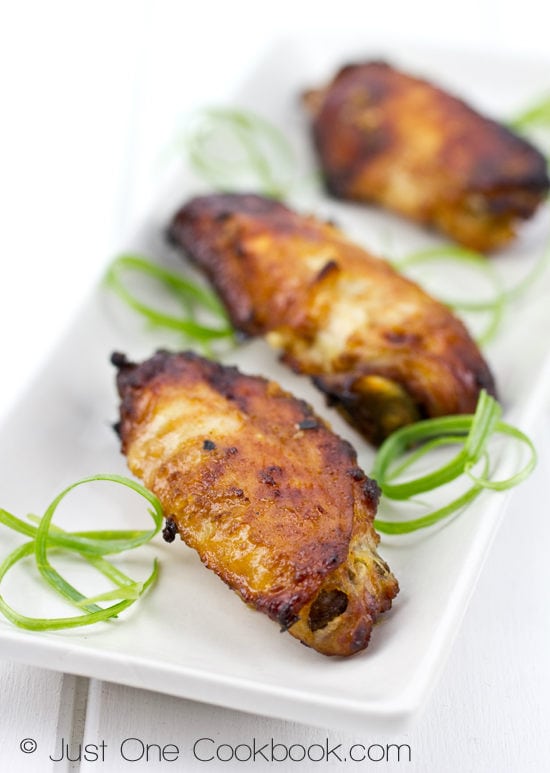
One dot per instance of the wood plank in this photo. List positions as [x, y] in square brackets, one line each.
[37, 705]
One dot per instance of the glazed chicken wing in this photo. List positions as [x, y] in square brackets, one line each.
[386, 137]
[269, 497]
[383, 351]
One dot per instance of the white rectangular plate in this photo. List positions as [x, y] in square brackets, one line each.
[190, 636]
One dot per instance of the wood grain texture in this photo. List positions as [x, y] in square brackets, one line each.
[489, 713]
[30, 708]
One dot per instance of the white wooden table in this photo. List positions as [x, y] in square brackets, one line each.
[70, 75]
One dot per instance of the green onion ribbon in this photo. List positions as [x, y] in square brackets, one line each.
[91, 546]
[494, 305]
[232, 148]
[500, 297]
[266, 158]
[194, 298]
[472, 433]
[536, 116]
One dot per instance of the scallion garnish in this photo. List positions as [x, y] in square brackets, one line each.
[472, 434]
[236, 149]
[535, 119]
[535, 116]
[494, 305]
[194, 298]
[91, 546]
[500, 296]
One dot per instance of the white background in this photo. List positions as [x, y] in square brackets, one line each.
[71, 76]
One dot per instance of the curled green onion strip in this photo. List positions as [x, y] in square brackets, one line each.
[191, 295]
[91, 547]
[535, 117]
[414, 524]
[264, 154]
[472, 433]
[495, 305]
[537, 114]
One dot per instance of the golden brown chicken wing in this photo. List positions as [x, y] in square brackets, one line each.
[386, 137]
[384, 352]
[270, 498]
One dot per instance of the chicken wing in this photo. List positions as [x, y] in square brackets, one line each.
[386, 137]
[270, 498]
[381, 349]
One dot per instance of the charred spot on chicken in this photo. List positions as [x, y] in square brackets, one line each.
[388, 138]
[272, 509]
[382, 350]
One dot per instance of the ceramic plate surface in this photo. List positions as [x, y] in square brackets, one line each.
[191, 636]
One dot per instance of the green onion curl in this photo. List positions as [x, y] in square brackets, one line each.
[535, 120]
[191, 295]
[472, 434]
[232, 148]
[90, 546]
[535, 116]
[496, 304]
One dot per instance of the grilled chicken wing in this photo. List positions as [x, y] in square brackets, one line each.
[269, 497]
[383, 351]
[385, 137]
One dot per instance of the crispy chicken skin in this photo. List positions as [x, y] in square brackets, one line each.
[386, 137]
[270, 498]
[383, 351]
